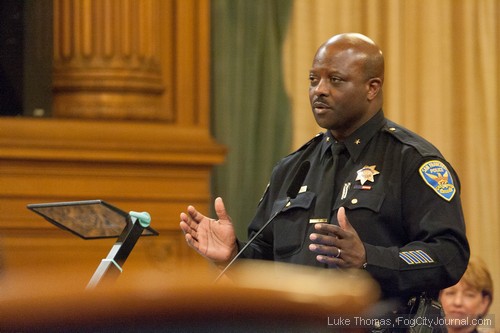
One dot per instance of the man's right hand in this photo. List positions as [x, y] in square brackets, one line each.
[213, 239]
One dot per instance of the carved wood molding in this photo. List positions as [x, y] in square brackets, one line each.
[110, 141]
[131, 127]
[132, 59]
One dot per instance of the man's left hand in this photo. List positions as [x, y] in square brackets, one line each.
[338, 246]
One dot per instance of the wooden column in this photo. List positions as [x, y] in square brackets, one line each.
[130, 126]
[107, 59]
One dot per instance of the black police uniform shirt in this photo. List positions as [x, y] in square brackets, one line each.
[400, 195]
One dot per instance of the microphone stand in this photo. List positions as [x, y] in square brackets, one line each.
[291, 193]
[110, 268]
[250, 241]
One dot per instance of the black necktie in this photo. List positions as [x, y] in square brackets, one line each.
[324, 200]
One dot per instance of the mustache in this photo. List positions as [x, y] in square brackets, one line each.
[320, 102]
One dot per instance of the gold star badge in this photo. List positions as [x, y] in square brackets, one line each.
[366, 174]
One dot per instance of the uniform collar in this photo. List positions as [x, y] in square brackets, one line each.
[326, 143]
[357, 141]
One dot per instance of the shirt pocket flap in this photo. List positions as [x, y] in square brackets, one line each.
[365, 199]
[302, 201]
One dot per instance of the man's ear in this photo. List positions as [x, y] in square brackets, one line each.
[374, 87]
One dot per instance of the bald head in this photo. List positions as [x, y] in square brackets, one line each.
[346, 81]
[359, 47]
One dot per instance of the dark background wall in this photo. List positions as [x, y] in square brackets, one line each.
[11, 59]
[26, 57]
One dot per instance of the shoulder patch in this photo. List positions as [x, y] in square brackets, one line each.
[436, 175]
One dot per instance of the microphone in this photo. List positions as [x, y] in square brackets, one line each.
[291, 193]
[298, 180]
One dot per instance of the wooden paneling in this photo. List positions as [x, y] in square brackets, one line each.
[134, 166]
[158, 162]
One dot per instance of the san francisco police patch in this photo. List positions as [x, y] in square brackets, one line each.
[437, 176]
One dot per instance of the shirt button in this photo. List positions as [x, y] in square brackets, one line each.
[354, 201]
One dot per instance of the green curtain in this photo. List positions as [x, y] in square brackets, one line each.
[251, 113]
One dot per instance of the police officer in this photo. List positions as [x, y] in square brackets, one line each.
[376, 197]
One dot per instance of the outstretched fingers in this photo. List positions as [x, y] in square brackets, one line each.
[190, 235]
[220, 210]
[189, 226]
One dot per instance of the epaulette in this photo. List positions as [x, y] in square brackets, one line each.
[405, 136]
[318, 137]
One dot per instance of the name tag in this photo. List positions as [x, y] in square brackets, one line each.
[318, 220]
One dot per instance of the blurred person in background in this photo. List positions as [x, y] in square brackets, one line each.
[467, 302]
